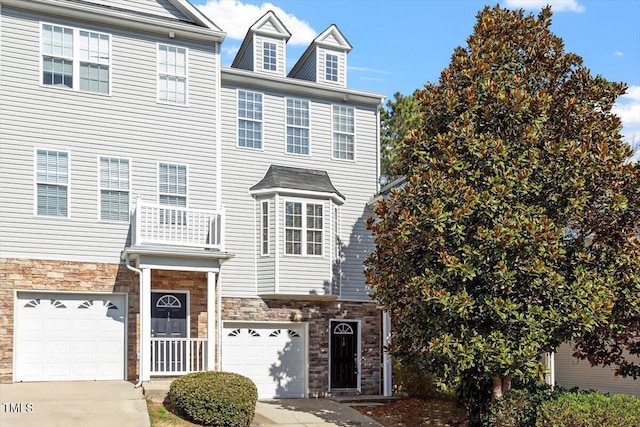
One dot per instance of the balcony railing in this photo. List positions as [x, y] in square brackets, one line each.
[176, 226]
[178, 356]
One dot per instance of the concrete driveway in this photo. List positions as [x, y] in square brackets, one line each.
[72, 403]
[308, 413]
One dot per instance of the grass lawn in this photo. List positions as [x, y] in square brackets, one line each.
[161, 417]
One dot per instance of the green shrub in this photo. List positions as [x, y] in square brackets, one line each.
[518, 408]
[412, 380]
[590, 409]
[214, 398]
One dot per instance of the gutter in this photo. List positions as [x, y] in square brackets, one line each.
[139, 273]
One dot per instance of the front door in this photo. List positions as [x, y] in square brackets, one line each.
[169, 327]
[344, 354]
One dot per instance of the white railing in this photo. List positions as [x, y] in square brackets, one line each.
[171, 225]
[178, 356]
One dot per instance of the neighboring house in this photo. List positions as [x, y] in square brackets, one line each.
[161, 214]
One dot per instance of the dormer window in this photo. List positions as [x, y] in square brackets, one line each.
[269, 60]
[331, 68]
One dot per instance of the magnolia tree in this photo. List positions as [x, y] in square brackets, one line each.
[515, 229]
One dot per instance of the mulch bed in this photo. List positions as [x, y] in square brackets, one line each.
[412, 412]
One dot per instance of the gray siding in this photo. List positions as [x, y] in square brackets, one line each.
[128, 123]
[308, 70]
[156, 7]
[243, 168]
[246, 62]
[571, 372]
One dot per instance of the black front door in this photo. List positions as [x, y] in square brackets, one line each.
[168, 320]
[344, 354]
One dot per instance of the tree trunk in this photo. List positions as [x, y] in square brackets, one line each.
[496, 390]
[506, 383]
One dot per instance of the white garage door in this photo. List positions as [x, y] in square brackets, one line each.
[272, 355]
[65, 337]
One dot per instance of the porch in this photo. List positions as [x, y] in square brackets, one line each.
[177, 253]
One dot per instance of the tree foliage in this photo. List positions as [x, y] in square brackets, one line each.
[397, 119]
[514, 231]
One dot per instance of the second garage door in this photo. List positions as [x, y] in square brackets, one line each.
[271, 355]
[65, 337]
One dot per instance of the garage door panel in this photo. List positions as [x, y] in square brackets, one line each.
[273, 357]
[69, 337]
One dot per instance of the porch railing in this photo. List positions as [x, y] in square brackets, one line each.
[178, 356]
[172, 225]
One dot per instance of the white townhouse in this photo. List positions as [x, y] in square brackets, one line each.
[161, 214]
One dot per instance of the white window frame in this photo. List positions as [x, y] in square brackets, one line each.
[304, 227]
[254, 120]
[342, 132]
[331, 74]
[273, 59]
[175, 75]
[37, 182]
[264, 228]
[75, 59]
[107, 188]
[290, 123]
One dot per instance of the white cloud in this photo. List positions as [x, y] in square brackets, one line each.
[230, 50]
[368, 70]
[556, 5]
[628, 109]
[618, 53]
[235, 18]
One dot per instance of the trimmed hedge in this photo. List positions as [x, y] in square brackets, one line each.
[590, 409]
[214, 398]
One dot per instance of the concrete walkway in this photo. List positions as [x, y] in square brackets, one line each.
[308, 413]
[72, 403]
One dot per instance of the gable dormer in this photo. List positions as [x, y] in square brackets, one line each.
[325, 60]
[263, 49]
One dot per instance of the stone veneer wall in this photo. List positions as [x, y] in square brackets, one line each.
[318, 314]
[42, 275]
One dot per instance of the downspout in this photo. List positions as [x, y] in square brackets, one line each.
[139, 273]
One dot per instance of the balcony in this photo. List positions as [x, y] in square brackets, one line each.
[153, 224]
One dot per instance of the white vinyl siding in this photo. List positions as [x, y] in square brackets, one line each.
[115, 186]
[269, 56]
[52, 182]
[331, 67]
[343, 133]
[249, 119]
[68, 52]
[172, 74]
[297, 126]
[303, 228]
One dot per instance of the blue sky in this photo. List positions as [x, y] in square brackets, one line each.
[398, 45]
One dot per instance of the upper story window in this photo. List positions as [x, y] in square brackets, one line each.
[343, 132]
[297, 126]
[303, 228]
[269, 60]
[331, 67]
[264, 236]
[114, 189]
[75, 59]
[172, 185]
[52, 182]
[249, 119]
[172, 74]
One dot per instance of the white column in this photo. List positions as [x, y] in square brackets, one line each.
[211, 320]
[386, 339]
[145, 324]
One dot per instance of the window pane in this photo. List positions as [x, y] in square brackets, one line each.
[52, 200]
[114, 205]
[269, 56]
[331, 67]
